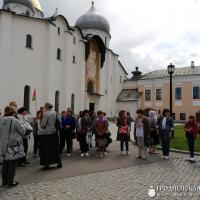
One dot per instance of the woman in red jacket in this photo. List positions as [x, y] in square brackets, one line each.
[191, 130]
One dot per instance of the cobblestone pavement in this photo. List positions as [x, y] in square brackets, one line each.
[100, 179]
[119, 184]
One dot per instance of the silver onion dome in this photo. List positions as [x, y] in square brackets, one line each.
[29, 3]
[92, 20]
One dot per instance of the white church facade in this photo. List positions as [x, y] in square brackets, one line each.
[69, 66]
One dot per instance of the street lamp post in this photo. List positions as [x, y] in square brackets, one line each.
[170, 69]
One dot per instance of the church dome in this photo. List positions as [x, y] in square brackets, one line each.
[92, 20]
[29, 3]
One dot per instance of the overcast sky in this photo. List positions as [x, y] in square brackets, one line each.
[145, 33]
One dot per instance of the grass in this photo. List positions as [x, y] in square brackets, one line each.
[179, 141]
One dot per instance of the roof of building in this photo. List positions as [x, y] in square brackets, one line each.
[29, 3]
[128, 95]
[182, 71]
[92, 20]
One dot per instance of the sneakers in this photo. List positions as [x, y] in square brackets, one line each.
[82, 155]
[138, 156]
[163, 157]
[87, 154]
[192, 159]
[68, 154]
[105, 153]
[166, 157]
[127, 153]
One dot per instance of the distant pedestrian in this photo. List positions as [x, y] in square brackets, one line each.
[129, 121]
[101, 126]
[36, 129]
[154, 137]
[21, 114]
[141, 134]
[86, 125]
[123, 134]
[191, 130]
[12, 133]
[49, 139]
[165, 125]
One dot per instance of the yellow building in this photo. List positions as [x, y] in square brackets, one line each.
[153, 91]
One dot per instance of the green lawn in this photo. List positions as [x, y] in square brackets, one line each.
[179, 141]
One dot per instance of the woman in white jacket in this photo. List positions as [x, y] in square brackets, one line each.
[12, 133]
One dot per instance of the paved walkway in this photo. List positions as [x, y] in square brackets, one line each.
[113, 177]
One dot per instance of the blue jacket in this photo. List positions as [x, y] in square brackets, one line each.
[169, 124]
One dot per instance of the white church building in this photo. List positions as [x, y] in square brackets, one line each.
[69, 66]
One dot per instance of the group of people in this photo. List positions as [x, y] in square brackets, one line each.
[52, 132]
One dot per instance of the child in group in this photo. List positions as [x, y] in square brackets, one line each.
[191, 130]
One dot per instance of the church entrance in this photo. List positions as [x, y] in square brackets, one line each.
[91, 106]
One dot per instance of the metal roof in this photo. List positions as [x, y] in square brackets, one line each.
[182, 71]
[29, 3]
[92, 20]
[128, 95]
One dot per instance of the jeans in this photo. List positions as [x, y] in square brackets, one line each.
[165, 139]
[190, 142]
[83, 143]
[65, 137]
[36, 143]
[142, 149]
[122, 145]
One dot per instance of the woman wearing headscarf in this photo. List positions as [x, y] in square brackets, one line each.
[12, 133]
[49, 139]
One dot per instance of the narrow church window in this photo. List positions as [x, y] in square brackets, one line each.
[74, 59]
[72, 102]
[105, 41]
[58, 30]
[27, 97]
[90, 88]
[74, 40]
[29, 41]
[58, 54]
[57, 99]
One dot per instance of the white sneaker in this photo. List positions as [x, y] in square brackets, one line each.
[82, 155]
[163, 157]
[105, 153]
[192, 159]
[188, 159]
[68, 154]
[87, 154]
[127, 153]
[166, 157]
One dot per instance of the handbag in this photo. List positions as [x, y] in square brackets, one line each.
[14, 152]
[123, 130]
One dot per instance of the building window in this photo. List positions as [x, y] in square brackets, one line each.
[105, 41]
[58, 30]
[90, 87]
[72, 102]
[196, 92]
[159, 94]
[74, 40]
[57, 99]
[147, 95]
[74, 59]
[29, 41]
[58, 54]
[174, 116]
[120, 79]
[27, 97]
[178, 93]
[182, 116]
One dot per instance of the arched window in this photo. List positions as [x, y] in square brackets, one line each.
[72, 102]
[58, 54]
[58, 30]
[27, 97]
[28, 41]
[57, 99]
[90, 87]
